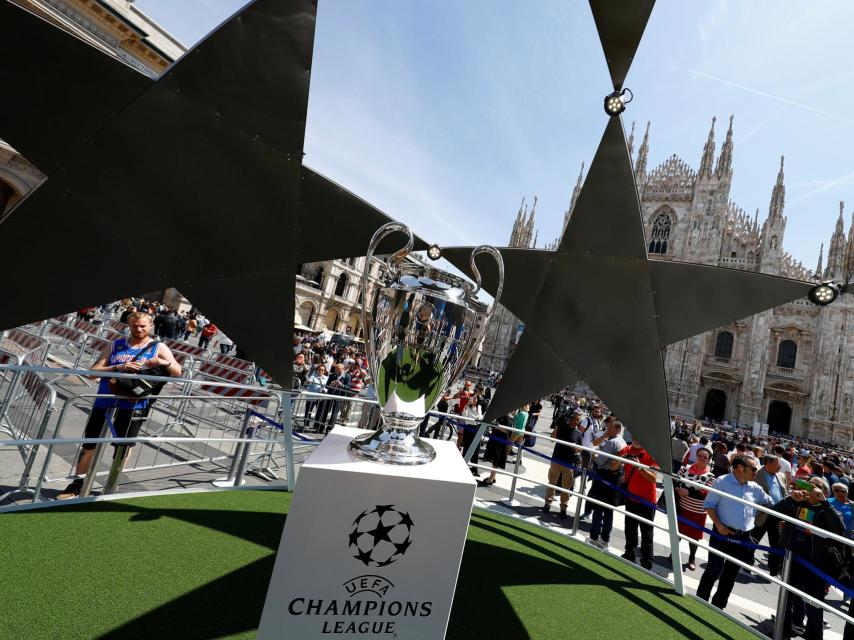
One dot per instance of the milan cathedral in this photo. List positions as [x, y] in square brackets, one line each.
[791, 367]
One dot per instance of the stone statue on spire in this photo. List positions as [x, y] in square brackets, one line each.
[724, 168]
[640, 165]
[708, 157]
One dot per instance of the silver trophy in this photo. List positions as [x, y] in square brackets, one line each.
[420, 332]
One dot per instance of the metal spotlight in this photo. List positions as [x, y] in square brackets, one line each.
[825, 293]
[434, 252]
[615, 103]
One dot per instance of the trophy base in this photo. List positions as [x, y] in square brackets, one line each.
[393, 445]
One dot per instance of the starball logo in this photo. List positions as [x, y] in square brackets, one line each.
[381, 535]
[378, 537]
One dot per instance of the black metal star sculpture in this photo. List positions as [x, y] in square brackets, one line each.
[597, 309]
[194, 180]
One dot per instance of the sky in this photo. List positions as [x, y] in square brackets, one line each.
[446, 114]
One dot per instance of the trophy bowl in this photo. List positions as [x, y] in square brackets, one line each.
[421, 331]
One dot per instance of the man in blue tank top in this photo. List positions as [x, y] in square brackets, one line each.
[133, 354]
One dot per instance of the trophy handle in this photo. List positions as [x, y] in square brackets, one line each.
[396, 258]
[499, 261]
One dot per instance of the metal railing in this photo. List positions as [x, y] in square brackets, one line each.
[238, 429]
[183, 427]
[672, 526]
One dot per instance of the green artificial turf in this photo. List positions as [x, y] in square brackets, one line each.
[197, 566]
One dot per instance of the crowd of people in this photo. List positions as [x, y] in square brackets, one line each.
[806, 480]
[333, 369]
[169, 323]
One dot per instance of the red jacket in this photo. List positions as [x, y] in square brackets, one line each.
[636, 483]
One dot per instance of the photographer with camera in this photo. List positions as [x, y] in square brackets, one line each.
[138, 353]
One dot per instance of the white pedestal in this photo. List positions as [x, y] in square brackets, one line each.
[370, 550]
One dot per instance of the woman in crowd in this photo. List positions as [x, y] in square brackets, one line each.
[520, 420]
[843, 505]
[691, 500]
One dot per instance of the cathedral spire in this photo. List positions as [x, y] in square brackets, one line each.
[818, 268]
[529, 231]
[849, 252]
[632, 140]
[515, 234]
[836, 251]
[724, 167]
[756, 221]
[643, 153]
[708, 154]
[778, 195]
[575, 192]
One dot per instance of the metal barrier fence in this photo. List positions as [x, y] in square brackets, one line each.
[675, 536]
[117, 326]
[32, 348]
[208, 417]
[252, 430]
[233, 361]
[199, 353]
[223, 372]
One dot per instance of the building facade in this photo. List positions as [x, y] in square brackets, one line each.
[17, 179]
[114, 27]
[791, 367]
[328, 295]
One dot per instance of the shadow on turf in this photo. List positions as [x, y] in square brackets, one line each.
[262, 528]
[232, 604]
[628, 588]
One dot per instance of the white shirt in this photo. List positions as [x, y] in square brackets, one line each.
[593, 429]
[785, 467]
[692, 452]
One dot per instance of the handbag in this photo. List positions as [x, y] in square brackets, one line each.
[136, 388]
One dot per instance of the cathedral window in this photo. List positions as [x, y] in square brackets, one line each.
[787, 353]
[660, 233]
[723, 345]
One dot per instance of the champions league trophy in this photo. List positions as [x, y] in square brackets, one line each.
[420, 333]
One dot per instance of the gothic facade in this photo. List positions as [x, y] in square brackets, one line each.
[503, 330]
[791, 367]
